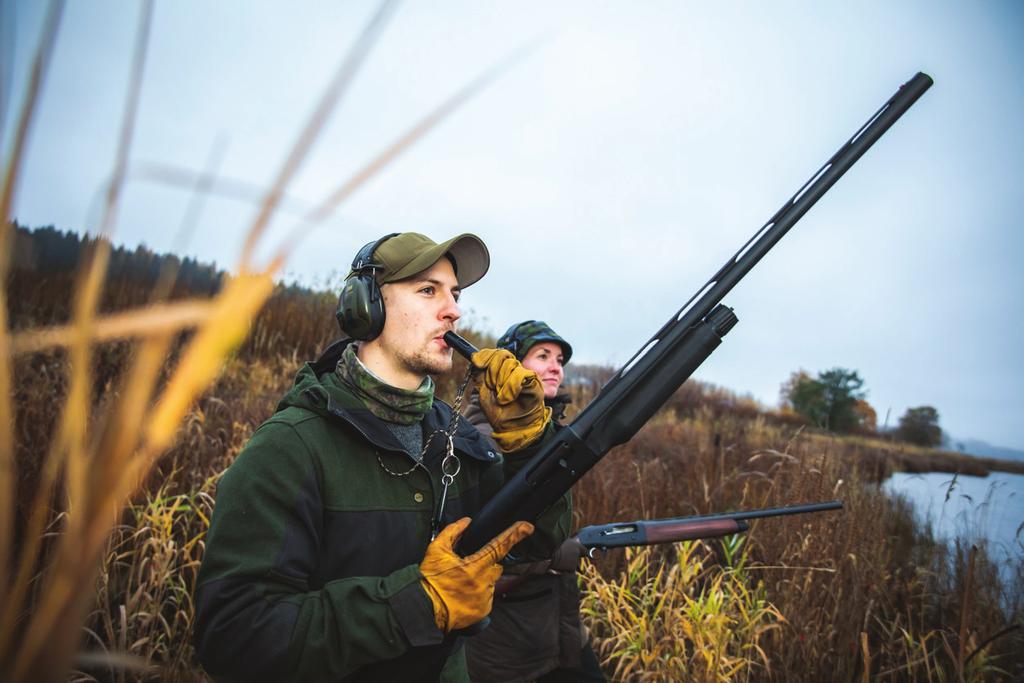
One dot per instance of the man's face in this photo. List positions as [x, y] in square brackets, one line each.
[419, 310]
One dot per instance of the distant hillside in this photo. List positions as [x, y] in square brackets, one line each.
[979, 447]
[43, 276]
[49, 250]
[299, 322]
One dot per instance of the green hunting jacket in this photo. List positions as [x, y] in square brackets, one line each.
[311, 569]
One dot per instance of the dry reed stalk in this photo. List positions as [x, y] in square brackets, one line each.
[65, 582]
[866, 652]
[70, 451]
[156, 318]
[213, 183]
[965, 613]
[392, 151]
[12, 169]
[338, 86]
[190, 220]
[233, 309]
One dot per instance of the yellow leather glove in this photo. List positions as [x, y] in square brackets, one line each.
[462, 588]
[512, 398]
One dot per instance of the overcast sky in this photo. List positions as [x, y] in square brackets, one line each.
[611, 172]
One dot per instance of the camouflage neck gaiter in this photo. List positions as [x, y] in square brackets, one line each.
[389, 403]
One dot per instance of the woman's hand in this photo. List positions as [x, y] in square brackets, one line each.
[512, 398]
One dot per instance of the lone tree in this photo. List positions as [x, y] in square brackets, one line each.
[834, 400]
[920, 426]
[867, 418]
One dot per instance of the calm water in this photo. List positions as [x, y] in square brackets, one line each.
[971, 508]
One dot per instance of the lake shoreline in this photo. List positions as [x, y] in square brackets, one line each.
[953, 463]
[970, 510]
[878, 458]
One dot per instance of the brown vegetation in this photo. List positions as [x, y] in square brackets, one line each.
[831, 596]
[865, 582]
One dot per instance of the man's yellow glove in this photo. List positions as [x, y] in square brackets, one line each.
[462, 588]
[512, 398]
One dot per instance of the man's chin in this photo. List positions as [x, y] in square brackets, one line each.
[442, 366]
[432, 363]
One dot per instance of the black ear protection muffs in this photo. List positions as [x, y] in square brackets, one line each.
[360, 305]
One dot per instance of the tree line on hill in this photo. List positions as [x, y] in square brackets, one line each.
[835, 400]
[45, 260]
[47, 250]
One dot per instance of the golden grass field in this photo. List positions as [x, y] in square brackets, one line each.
[859, 595]
[123, 400]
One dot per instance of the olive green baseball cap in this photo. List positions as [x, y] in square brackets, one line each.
[408, 253]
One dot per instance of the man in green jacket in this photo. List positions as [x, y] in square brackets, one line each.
[330, 552]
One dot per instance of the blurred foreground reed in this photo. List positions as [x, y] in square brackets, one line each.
[89, 402]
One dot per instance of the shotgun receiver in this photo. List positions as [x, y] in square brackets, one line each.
[668, 359]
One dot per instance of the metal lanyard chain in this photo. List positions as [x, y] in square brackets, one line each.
[451, 465]
[447, 463]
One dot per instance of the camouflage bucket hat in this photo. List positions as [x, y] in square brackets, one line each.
[520, 337]
[409, 253]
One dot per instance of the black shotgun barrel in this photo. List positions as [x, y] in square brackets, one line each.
[801, 509]
[675, 351]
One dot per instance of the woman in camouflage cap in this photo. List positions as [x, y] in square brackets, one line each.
[538, 348]
[535, 631]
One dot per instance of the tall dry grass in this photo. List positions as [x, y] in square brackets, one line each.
[820, 596]
[680, 617]
[864, 594]
[825, 596]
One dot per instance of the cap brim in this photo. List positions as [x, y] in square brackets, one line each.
[469, 252]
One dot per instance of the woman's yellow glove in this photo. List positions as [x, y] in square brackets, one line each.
[462, 588]
[512, 398]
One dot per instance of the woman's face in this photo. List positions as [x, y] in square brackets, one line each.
[545, 358]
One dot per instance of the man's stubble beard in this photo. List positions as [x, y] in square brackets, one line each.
[418, 361]
[422, 363]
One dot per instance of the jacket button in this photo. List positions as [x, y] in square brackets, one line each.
[418, 497]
